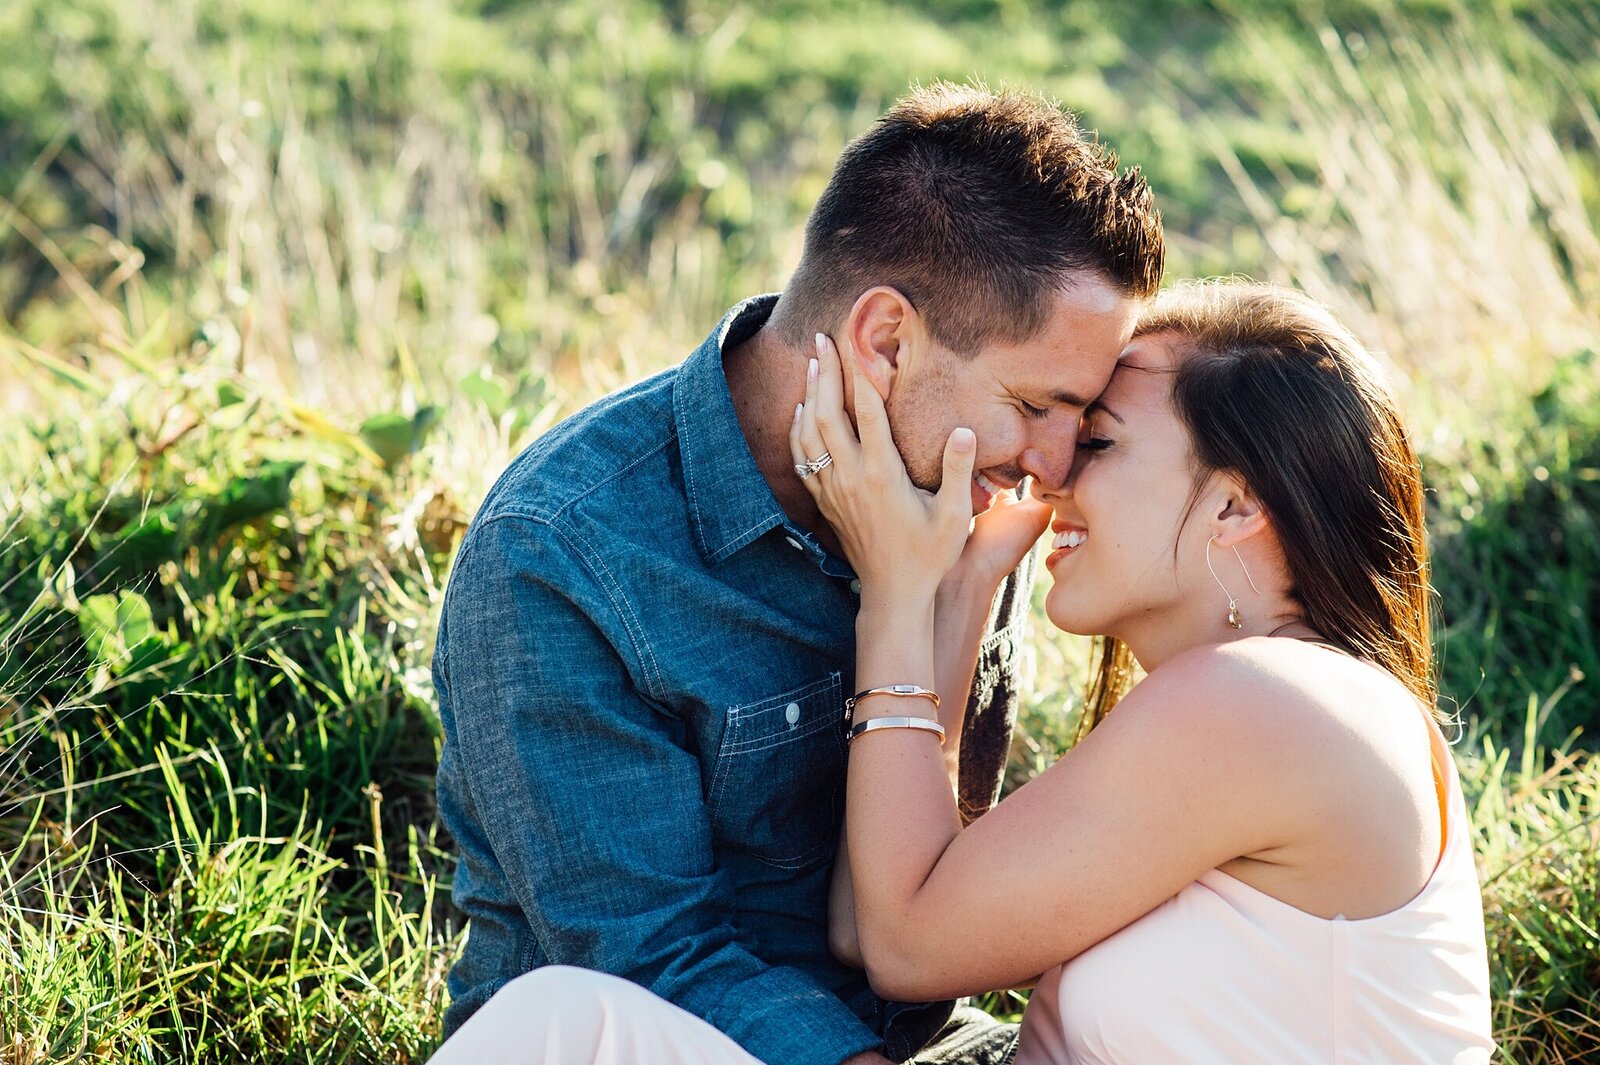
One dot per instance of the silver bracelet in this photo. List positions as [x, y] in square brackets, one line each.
[924, 724]
[903, 691]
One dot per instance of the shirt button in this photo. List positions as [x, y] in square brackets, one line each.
[855, 586]
[792, 712]
[795, 543]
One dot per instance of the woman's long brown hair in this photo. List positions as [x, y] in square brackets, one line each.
[1275, 391]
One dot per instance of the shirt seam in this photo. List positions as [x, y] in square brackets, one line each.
[559, 513]
[588, 559]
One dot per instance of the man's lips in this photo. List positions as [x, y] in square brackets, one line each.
[984, 489]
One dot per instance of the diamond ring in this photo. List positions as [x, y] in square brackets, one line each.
[806, 469]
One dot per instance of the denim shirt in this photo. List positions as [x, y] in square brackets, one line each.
[641, 666]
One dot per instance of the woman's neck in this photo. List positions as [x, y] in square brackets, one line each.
[1164, 640]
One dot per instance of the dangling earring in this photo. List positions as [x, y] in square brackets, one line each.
[1234, 621]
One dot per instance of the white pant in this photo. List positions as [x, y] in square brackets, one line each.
[559, 1015]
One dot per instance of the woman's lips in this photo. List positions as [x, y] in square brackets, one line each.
[1068, 539]
[1071, 536]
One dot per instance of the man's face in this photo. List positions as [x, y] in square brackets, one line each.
[1024, 401]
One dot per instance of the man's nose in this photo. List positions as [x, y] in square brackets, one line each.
[1049, 462]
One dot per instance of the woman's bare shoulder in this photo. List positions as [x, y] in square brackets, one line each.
[1285, 695]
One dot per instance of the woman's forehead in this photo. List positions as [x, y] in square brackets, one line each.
[1143, 374]
[1152, 352]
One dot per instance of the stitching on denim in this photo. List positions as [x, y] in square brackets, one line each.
[691, 481]
[514, 510]
[725, 754]
[685, 448]
[720, 775]
[766, 524]
[799, 732]
[803, 692]
[619, 602]
[591, 563]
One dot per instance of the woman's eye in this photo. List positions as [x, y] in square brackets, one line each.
[1094, 443]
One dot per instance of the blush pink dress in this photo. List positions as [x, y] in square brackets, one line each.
[1223, 974]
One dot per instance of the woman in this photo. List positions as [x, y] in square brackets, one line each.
[1262, 854]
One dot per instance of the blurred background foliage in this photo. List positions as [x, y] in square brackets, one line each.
[283, 287]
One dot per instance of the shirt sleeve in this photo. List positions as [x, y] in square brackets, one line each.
[589, 796]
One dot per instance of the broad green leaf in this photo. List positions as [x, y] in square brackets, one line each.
[390, 435]
[229, 394]
[394, 436]
[114, 625]
[262, 492]
[154, 539]
[489, 390]
[165, 533]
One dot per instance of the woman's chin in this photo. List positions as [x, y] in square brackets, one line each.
[1071, 621]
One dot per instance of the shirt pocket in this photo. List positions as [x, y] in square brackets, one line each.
[778, 784]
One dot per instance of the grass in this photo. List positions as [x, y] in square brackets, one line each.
[283, 289]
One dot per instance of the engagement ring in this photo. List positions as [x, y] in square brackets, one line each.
[806, 469]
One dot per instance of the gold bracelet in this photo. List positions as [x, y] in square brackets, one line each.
[903, 691]
[923, 724]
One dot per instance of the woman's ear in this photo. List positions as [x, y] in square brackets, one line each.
[882, 333]
[1237, 514]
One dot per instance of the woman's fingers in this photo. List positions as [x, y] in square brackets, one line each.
[827, 404]
[797, 449]
[954, 501]
[811, 445]
[872, 421]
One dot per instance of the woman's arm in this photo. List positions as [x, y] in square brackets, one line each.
[961, 613]
[1199, 765]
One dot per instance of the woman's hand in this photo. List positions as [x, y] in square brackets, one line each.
[901, 540]
[1001, 536]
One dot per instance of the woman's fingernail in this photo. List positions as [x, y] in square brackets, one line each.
[822, 343]
[963, 439]
[798, 407]
[811, 371]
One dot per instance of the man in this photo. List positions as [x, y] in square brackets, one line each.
[648, 634]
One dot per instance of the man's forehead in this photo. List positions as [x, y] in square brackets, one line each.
[1069, 397]
[1057, 377]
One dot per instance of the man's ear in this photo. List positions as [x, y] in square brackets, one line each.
[1237, 515]
[882, 333]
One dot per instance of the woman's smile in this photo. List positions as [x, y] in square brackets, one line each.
[1068, 538]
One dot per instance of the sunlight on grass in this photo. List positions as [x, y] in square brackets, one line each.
[282, 303]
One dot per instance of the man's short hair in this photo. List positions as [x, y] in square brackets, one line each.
[977, 206]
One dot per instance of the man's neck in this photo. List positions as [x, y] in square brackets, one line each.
[767, 379]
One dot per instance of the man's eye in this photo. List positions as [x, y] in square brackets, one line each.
[1031, 411]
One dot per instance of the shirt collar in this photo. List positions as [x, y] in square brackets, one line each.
[730, 502]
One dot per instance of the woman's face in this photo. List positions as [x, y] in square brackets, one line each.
[1118, 516]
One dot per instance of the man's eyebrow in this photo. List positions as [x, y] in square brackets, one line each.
[1071, 399]
[1097, 405]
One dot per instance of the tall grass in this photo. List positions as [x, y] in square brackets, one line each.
[1438, 209]
[286, 287]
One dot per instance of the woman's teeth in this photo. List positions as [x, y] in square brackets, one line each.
[1070, 538]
